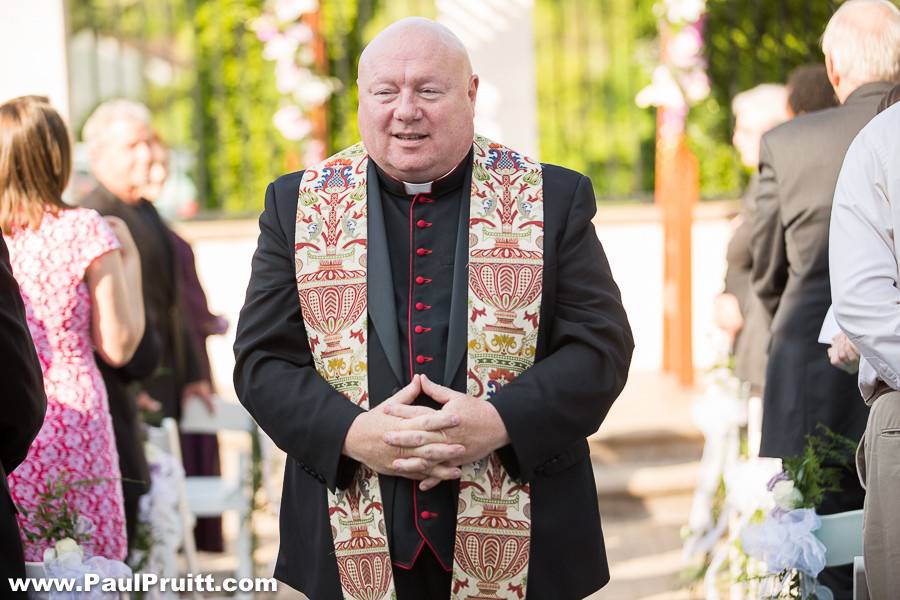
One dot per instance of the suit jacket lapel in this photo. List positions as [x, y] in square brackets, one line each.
[379, 284]
[458, 334]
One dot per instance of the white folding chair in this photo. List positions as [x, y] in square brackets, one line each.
[213, 496]
[165, 437]
[842, 536]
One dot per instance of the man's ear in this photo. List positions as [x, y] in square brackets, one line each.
[833, 76]
[473, 89]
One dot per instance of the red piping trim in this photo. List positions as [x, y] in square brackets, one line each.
[409, 302]
[409, 567]
[416, 521]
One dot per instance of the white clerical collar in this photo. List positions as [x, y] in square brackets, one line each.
[417, 188]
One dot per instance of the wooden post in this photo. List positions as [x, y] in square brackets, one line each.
[318, 115]
[677, 190]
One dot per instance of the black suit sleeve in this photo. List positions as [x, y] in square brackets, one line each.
[770, 267]
[274, 374]
[564, 397]
[20, 372]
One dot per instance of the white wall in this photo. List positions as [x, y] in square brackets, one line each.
[499, 37]
[33, 51]
[634, 250]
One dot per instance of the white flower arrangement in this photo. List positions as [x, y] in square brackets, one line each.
[65, 560]
[753, 522]
[288, 42]
[680, 80]
[160, 529]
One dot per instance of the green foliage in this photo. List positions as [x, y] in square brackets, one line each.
[819, 469]
[593, 56]
[239, 149]
[587, 78]
[748, 43]
[55, 519]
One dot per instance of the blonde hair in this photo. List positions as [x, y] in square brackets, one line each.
[35, 162]
[864, 47]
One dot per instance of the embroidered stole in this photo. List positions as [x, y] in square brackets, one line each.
[505, 274]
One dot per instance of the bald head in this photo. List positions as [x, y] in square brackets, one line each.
[862, 44]
[416, 100]
[410, 38]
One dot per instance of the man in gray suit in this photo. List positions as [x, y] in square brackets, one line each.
[799, 165]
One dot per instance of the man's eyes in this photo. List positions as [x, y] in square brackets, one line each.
[429, 92]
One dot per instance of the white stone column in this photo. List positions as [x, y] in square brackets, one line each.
[500, 39]
[33, 42]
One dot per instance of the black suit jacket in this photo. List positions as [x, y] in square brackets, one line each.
[22, 415]
[584, 350]
[175, 355]
[799, 165]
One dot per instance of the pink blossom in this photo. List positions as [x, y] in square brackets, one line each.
[684, 11]
[662, 91]
[265, 28]
[684, 48]
[280, 47]
[288, 76]
[292, 123]
[290, 10]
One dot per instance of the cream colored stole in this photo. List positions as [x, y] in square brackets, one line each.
[505, 280]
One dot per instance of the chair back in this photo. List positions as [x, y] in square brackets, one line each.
[841, 533]
[228, 416]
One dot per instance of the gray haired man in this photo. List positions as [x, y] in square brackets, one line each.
[864, 282]
[799, 165]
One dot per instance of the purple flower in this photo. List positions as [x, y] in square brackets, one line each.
[782, 476]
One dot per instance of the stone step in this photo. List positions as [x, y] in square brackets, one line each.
[644, 464]
[637, 481]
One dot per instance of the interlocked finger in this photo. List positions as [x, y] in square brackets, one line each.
[413, 439]
[435, 421]
[436, 452]
[411, 465]
[406, 411]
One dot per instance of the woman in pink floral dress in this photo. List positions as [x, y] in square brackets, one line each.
[79, 277]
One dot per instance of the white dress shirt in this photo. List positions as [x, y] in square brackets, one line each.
[864, 257]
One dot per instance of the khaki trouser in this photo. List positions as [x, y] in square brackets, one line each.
[878, 463]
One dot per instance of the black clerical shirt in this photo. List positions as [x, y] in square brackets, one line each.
[421, 232]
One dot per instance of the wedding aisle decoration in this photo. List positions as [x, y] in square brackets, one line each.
[289, 42]
[60, 524]
[679, 80]
[754, 519]
[160, 528]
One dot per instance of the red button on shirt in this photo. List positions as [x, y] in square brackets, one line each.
[422, 224]
[428, 515]
[422, 306]
[422, 280]
[420, 329]
[423, 359]
[423, 251]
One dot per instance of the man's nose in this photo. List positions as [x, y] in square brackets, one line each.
[144, 151]
[408, 108]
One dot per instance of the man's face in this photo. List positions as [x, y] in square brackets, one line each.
[748, 130]
[124, 159]
[416, 107]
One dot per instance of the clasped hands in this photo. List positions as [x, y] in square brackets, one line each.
[421, 443]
